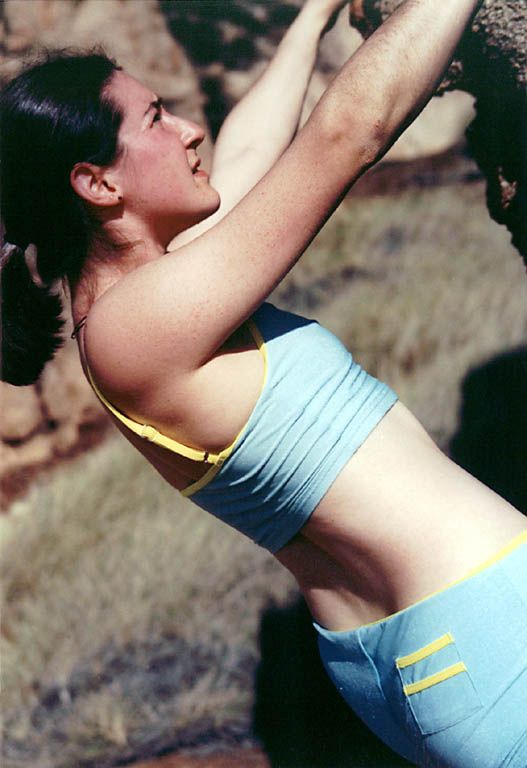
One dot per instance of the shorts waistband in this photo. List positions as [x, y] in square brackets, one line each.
[499, 555]
[447, 675]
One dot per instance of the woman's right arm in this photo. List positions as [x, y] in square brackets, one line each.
[263, 123]
[179, 309]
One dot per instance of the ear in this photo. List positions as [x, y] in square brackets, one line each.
[95, 185]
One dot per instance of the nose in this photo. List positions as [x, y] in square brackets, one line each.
[191, 134]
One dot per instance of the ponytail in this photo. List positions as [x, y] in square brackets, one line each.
[30, 321]
[52, 115]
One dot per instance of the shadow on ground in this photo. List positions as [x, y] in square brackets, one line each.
[300, 718]
[491, 441]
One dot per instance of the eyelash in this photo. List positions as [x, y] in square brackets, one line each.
[157, 115]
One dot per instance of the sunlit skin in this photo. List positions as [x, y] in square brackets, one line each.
[166, 339]
[158, 173]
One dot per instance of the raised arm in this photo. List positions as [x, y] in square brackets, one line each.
[192, 300]
[396, 71]
[262, 124]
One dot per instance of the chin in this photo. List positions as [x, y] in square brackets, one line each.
[214, 206]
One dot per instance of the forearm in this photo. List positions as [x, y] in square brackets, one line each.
[262, 124]
[266, 118]
[242, 259]
[393, 74]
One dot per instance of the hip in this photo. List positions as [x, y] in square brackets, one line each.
[444, 681]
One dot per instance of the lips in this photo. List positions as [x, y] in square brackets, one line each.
[194, 167]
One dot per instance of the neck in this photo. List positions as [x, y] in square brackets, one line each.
[105, 265]
[153, 233]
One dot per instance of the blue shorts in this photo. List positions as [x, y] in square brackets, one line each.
[444, 682]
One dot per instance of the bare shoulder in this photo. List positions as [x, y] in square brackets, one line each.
[141, 374]
[178, 309]
[126, 346]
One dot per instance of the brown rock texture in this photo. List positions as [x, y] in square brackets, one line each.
[50, 421]
[491, 64]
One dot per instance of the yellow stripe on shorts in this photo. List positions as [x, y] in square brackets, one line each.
[422, 653]
[439, 677]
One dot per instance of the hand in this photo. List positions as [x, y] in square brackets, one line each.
[329, 7]
[326, 10]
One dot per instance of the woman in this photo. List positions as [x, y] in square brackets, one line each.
[260, 416]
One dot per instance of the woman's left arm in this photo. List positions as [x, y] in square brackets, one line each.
[263, 123]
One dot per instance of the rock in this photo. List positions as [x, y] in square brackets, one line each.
[26, 23]
[35, 451]
[440, 126]
[47, 422]
[491, 64]
[64, 389]
[21, 413]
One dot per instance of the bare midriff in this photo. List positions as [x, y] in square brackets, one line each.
[399, 523]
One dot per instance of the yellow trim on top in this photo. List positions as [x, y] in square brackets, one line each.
[431, 680]
[204, 480]
[499, 555]
[147, 432]
[213, 471]
[422, 653]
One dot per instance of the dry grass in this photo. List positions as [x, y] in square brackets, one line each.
[130, 617]
[117, 598]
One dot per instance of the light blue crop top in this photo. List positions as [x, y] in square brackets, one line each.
[315, 409]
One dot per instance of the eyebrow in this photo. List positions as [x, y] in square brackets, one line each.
[154, 105]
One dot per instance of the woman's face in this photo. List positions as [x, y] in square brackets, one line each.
[158, 171]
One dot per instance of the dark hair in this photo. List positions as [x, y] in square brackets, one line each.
[53, 115]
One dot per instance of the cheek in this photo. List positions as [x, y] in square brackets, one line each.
[130, 168]
[147, 172]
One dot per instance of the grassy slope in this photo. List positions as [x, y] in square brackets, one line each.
[131, 619]
[129, 615]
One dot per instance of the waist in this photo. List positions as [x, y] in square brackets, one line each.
[402, 521]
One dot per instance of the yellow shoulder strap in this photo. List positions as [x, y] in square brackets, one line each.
[150, 433]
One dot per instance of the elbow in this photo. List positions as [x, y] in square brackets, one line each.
[357, 142]
[375, 127]
[372, 141]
